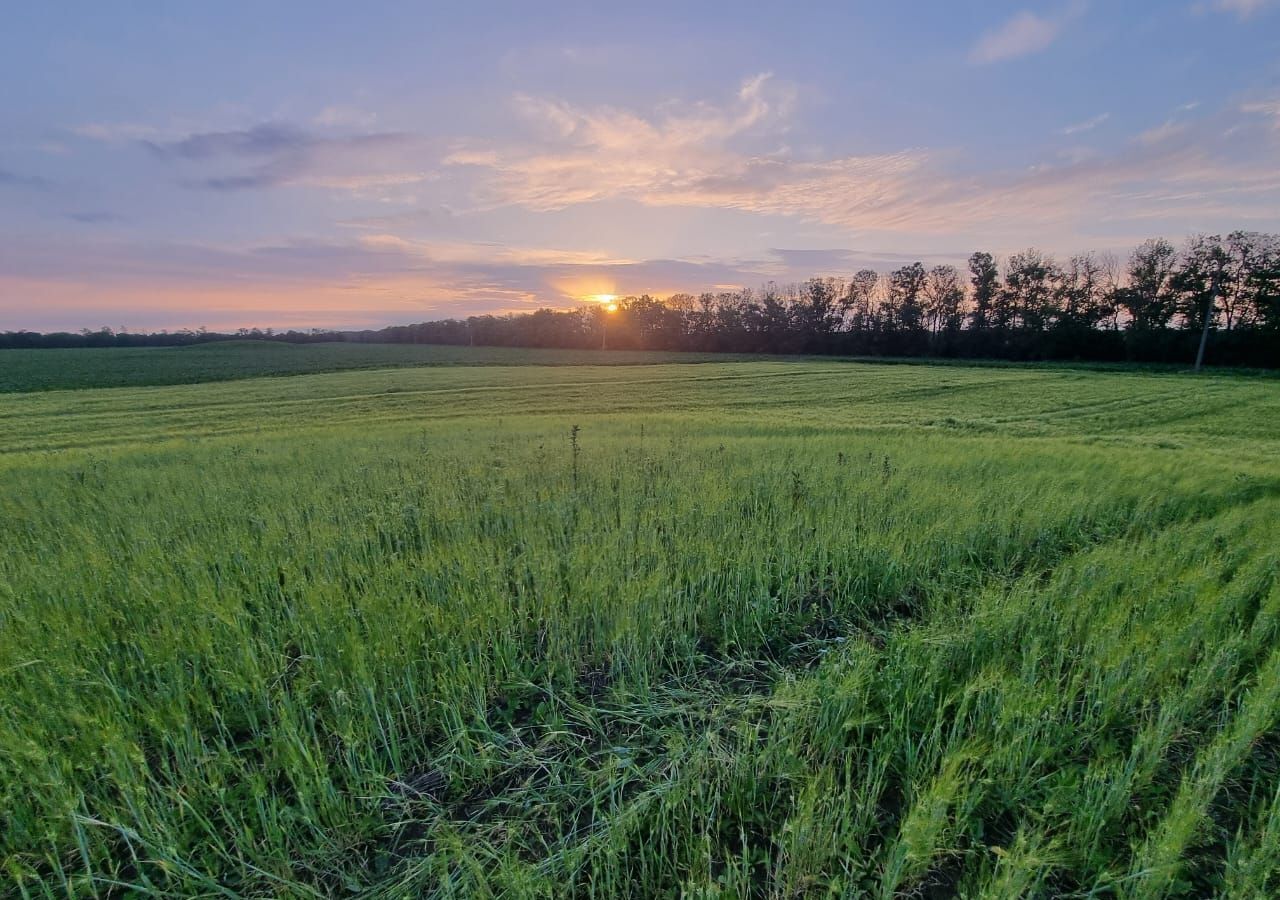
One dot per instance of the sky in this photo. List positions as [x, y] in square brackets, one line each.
[292, 165]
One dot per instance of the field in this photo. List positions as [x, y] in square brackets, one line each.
[45, 370]
[733, 629]
[52, 370]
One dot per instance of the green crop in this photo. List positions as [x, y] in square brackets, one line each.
[761, 629]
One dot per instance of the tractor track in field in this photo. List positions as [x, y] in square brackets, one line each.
[722, 693]
[345, 408]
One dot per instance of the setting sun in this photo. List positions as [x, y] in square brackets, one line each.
[608, 301]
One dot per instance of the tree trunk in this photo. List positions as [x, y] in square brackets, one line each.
[1208, 319]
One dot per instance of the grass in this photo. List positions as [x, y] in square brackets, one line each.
[774, 629]
[72, 369]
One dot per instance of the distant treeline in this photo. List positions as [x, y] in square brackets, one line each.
[109, 337]
[1151, 307]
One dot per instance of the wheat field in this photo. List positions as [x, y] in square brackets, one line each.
[734, 629]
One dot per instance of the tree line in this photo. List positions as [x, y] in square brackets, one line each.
[1151, 307]
[1154, 306]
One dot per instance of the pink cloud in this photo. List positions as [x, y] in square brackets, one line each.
[699, 157]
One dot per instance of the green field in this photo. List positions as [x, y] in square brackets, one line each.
[47, 370]
[753, 629]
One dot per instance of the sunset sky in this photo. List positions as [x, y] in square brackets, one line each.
[168, 165]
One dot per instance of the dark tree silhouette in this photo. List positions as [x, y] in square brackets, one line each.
[1149, 296]
[944, 299]
[1162, 306]
[1030, 290]
[985, 282]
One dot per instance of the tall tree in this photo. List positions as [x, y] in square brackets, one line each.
[904, 307]
[1262, 282]
[860, 300]
[1081, 292]
[1251, 256]
[817, 310]
[1149, 297]
[944, 299]
[1030, 289]
[773, 313]
[985, 279]
[1199, 279]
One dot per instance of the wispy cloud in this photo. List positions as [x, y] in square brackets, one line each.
[408, 218]
[1086, 125]
[268, 139]
[94, 217]
[345, 117]
[686, 157]
[116, 132]
[1162, 132]
[1241, 9]
[1022, 35]
[374, 280]
[14, 179]
[698, 159]
[280, 154]
[1266, 108]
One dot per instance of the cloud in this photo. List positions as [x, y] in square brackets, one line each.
[1210, 171]
[373, 280]
[759, 102]
[1241, 9]
[262, 140]
[1024, 34]
[802, 264]
[275, 154]
[491, 253]
[682, 157]
[272, 177]
[709, 157]
[116, 132]
[345, 117]
[13, 179]
[94, 217]
[1267, 108]
[1162, 132]
[406, 219]
[1086, 125]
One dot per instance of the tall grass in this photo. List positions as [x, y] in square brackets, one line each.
[751, 630]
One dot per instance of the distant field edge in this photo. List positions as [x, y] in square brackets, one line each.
[26, 370]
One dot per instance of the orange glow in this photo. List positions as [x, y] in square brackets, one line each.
[364, 303]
